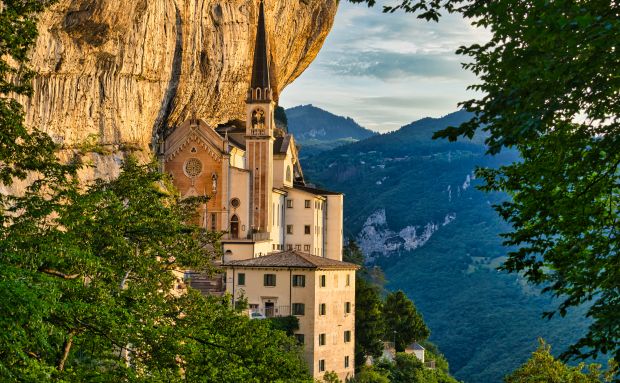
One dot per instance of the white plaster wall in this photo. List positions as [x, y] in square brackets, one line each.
[333, 227]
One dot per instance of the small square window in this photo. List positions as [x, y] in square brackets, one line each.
[289, 247]
[322, 339]
[269, 280]
[347, 336]
[321, 365]
[307, 229]
[289, 203]
[299, 280]
[299, 338]
[241, 279]
[299, 309]
[322, 309]
[306, 247]
[289, 229]
[298, 247]
[322, 280]
[347, 307]
[346, 361]
[307, 204]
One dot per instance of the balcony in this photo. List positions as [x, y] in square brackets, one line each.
[258, 132]
[272, 311]
[253, 237]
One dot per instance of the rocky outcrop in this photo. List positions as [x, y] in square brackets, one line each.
[124, 70]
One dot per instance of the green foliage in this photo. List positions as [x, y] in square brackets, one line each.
[542, 367]
[452, 278]
[402, 321]
[91, 145]
[371, 374]
[92, 282]
[549, 81]
[331, 377]
[405, 368]
[352, 253]
[369, 323]
[280, 117]
[21, 151]
[288, 324]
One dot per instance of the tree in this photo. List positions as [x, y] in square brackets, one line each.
[352, 253]
[549, 88]
[405, 368]
[371, 374]
[87, 272]
[403, 323]
[22, 150]
[542, 367]
[369, 323]
[90, 293]
[331, 377]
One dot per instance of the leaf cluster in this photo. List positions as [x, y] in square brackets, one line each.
[550, 89]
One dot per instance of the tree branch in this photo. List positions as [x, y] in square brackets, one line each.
[58, 273]
[66, 350]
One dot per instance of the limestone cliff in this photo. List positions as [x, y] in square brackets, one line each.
[123, 70]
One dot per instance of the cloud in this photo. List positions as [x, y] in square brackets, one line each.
[391, 66]
[387, 70]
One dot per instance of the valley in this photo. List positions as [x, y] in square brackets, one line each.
[412, 205]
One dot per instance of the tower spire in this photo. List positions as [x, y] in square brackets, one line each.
[260, 67]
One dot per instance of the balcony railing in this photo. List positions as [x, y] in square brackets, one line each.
[250, 237]
[258, 132]
[272, 311]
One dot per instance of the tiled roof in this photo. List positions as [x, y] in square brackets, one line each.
[314, 190]
[281, 144]
[293, 259]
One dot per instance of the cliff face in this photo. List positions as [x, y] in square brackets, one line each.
[124, 70]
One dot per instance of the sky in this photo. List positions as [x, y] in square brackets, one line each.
[387, 70]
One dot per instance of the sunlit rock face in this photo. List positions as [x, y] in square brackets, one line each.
[124, 70]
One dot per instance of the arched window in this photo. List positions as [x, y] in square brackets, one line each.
[288, 173]
[234, 227]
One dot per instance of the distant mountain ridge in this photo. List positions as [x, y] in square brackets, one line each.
[412, 205]
[317, 130]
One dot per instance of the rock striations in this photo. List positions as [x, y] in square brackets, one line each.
[124, 71]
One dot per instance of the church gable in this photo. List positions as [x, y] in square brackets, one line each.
[194, 135]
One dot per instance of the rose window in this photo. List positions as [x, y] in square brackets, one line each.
[193, 167]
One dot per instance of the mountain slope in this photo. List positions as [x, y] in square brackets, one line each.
[411, 203]
[317, 130]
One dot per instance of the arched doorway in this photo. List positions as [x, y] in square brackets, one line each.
[234, 227]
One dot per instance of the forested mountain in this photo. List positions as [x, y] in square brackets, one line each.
[317, 130]
[412, 205]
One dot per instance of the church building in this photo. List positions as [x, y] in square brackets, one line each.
[283, 238]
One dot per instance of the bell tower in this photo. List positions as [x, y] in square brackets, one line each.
[260, 108]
